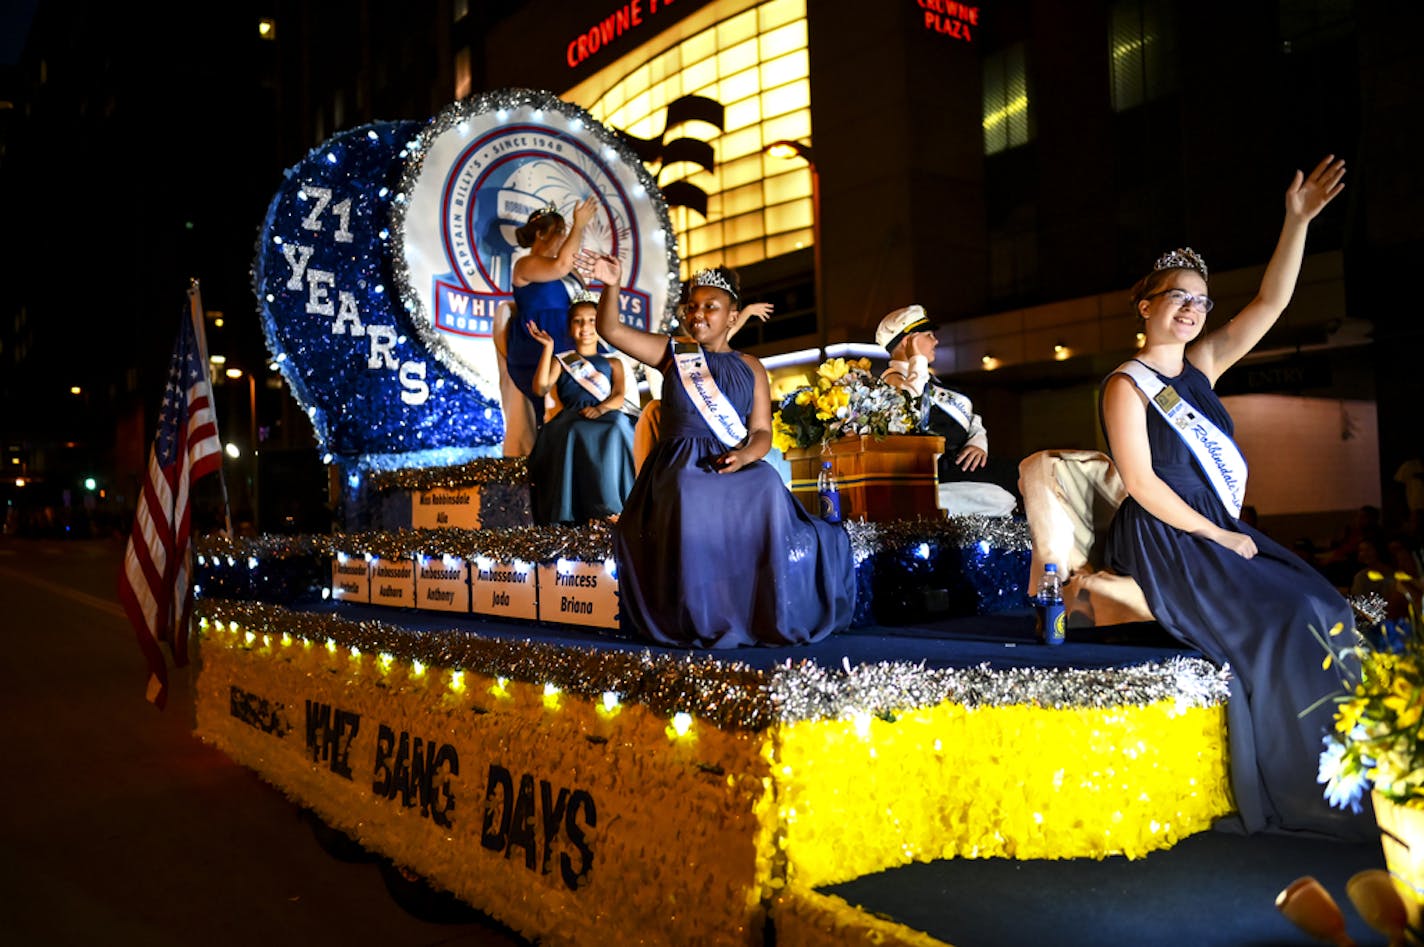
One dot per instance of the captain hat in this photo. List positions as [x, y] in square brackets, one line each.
[901, 323]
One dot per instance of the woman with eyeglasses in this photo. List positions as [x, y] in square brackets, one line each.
[1211, 580]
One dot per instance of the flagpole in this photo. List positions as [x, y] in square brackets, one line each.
[195, 313]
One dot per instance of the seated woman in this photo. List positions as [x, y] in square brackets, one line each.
[1212, 581]
[713, 550]
[582, 461]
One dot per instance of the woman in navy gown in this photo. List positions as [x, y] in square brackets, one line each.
[713, 550]
[582, 462]
[1210, 579]
[539, 293]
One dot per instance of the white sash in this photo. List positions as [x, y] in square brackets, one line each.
[1215, 452]
[952, 403]
[706, 397]
[582, 371]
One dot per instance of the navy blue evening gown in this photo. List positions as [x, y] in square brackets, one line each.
[582, 468]
[547, 306]
[1252, 614]
[713, 560]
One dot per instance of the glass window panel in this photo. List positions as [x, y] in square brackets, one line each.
[793, 215]
[788, 38]
[778, 12]
[741, 27]
[739, 57]
[738, 87]
[640, 78]
[782, 243]
[704, 239]
[742, 199]
[741, 171]
[646, 128]
[739, 144]
[640, 106]
[698, 47]
[744, 227]
[789, 186]
[784, 70]
[795, 126]
[700, 75]
[789, 97]
[743, 113]
[1007, 117]
[745, 253]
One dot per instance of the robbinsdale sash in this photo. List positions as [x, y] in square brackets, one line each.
[582, 371]
[714, 407]
[1215, 452]
[952, 403]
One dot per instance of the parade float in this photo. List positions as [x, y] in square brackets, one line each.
[449, 687]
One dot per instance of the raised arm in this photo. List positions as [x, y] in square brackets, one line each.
[749, 312]
[647, 347]
[533, 268]
[1305, 198]
[1125, 417]
[547, 371]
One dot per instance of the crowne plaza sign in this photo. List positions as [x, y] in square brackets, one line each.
[958, 20]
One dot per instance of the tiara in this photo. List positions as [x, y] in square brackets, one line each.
[583, 296]
[713, 278]
[1184, 259]
[548, 208]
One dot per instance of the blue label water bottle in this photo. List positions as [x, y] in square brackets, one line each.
[1051, 615]
[829, 493]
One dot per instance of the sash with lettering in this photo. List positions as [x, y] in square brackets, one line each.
[706, 397]
[1215, 452]
[582, 371]
[951, 402]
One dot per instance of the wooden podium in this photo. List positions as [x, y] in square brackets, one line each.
[893, 477]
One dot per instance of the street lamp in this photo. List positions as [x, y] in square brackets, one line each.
[785, 148]
[236, 373]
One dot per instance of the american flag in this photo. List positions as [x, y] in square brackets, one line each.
[154, 586]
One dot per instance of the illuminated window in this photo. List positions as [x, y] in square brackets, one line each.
[1141, 52]
[752, 58]
[464, 84]
[1007, 120]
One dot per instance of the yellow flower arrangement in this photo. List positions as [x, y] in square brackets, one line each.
[846, 398]
[1378, 739]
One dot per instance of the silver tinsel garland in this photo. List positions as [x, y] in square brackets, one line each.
[733, 695]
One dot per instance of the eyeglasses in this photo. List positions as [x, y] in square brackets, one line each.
[1184, 299]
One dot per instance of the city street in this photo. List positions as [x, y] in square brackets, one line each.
[119, 826]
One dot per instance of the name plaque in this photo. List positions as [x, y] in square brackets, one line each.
[457, 507]
[443, 584]
[393, 582]
[350, 579]
[504, 589]
[578, 593]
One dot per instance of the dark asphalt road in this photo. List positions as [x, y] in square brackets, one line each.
[118, 826]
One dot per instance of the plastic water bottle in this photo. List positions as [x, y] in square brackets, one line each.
[829, 493]
[1050, 606]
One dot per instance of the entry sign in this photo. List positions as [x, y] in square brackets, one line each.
[434, 509]
[350, 579]
[393, 582]
[504, 589]
[578, 593]
[442, 584]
